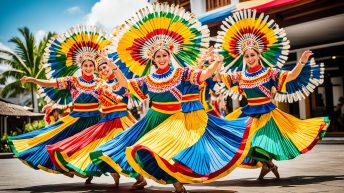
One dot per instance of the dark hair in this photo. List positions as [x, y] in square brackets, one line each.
[255, 50]
[161, 49]
[90, 61]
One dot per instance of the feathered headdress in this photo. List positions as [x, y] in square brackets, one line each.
[160, 26]
[64, 54]
[245, 29]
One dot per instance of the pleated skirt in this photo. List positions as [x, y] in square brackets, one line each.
[280, 136]
[110, 157]
[30, 147]
[72, 154]
[191, 147]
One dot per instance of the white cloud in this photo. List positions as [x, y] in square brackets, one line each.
[73, 10]
[110, 13]
[40, 35]
[4, 67]
[4, 47]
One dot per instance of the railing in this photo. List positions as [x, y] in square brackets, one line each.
[182, 3]
[214, 4]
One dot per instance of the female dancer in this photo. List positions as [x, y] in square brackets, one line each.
[258, 43]
[72, 154]
[178, 135]
[206, 90]
[65, 54]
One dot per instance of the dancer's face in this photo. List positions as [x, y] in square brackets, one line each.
[104, 70]
[251, 58]
[87, 68]
[162, 59]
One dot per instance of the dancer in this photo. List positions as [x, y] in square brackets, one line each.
[207, 89]
[65, 55]
[257, 44]
[72, 154]
[177, 136]
[52, 113]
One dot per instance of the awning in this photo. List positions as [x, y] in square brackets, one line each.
[223, 12]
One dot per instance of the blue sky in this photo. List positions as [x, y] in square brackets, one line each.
[41, 16]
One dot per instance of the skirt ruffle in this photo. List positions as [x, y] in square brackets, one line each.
[280, 136]
[191, 148]
[110, 157]
[30, 148]
[72, 154]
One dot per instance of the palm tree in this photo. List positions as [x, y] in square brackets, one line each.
[25, 60]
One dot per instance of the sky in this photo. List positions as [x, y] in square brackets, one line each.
[42, 16]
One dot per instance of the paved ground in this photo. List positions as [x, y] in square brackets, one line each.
[321, 170]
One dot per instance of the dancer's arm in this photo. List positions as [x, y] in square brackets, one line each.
[209, 71]
[122, 80]
[293, 74]
[43, 83]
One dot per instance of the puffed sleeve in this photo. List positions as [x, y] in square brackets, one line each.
[279, 79]
[231, 80]
[192, 75]
[65, 83]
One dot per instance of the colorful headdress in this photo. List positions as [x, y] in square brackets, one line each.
[245, 30]
[161, 26]
[65, 53]
[99, 61]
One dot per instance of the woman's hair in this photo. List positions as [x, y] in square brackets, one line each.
[94, 64]
[161, 49]
[255, 50]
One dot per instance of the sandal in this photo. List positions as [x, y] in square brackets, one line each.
[182, 191]
[139, 185]
[265, 170]
[116, 177]
[274, 170]
[89, 179]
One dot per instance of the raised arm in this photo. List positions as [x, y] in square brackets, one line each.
[209, 71]
[293, 74]
[122, 80]
[43, 83]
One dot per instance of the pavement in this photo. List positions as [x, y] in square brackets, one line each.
[320, 170]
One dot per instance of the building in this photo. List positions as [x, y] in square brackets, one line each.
[317, 25]
[14, 116]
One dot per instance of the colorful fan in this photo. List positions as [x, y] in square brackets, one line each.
[311, 76]
[65, 53]
[245, 30]
[161, 26]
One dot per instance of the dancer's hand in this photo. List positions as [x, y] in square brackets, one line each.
[305, 56]
[26, 79]
[102, 53]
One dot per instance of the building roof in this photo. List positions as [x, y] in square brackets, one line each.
[16, 110]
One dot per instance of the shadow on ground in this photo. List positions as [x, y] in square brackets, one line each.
[283, 182]
[104, 188]
[217, 186]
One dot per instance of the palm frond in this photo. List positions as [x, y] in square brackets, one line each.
[17, 60]
[12, 89]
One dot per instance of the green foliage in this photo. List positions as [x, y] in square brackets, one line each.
[4, 147]
[34, 126]
[25, 60]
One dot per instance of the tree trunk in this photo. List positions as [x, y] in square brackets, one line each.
[34, 100]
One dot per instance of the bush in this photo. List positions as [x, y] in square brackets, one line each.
[34, 126]
[4, 147]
